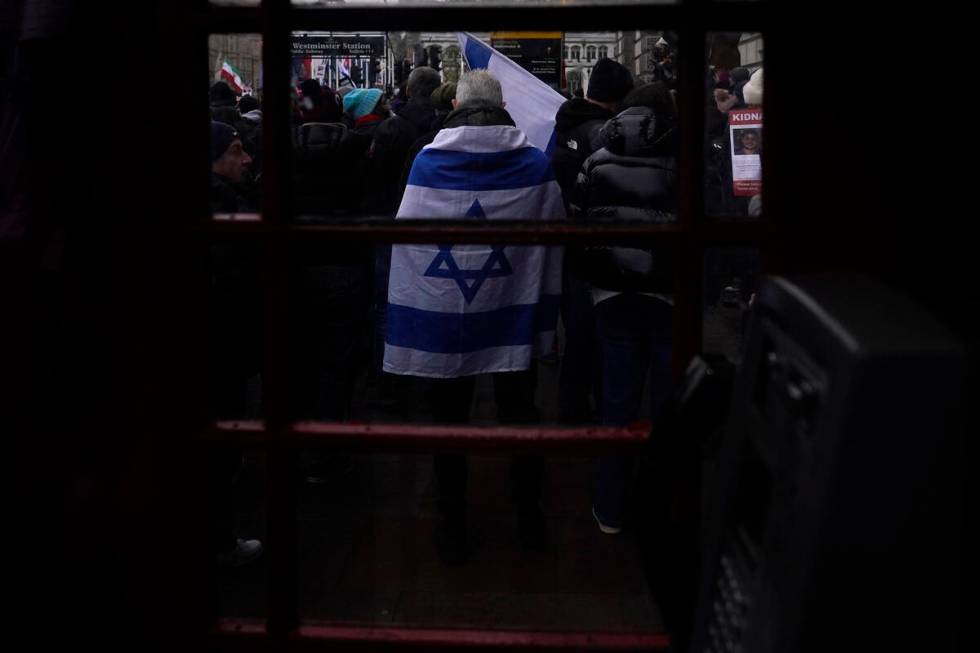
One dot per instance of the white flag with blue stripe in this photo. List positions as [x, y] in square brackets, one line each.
[459, 310]
[530, 102]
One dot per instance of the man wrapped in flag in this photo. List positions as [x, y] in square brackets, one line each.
[455, 311]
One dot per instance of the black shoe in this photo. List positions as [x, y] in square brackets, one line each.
[450, 542]
[533, 529]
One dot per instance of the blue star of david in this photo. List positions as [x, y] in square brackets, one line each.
[444, 266]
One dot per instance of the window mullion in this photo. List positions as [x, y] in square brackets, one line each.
[690, 102]
[277, 213]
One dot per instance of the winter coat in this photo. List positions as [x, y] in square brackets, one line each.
[577, 126]
[421, 142]
[250, 130]
[229, 197]
[329, 183]
[478, 116]
[328, 169]
[392, 140]
[632, 177]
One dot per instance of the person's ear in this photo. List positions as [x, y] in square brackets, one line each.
[455, 103]
[503, 105]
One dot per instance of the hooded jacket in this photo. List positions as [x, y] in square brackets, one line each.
[328, 169]
[632, 177]
[577, 126]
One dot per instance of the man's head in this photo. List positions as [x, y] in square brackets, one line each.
[442, 97]
[609, 83]
[422, 81]
[739, 74]
[311, 89]
[654, 95]
[478, 88]
[221, 95]
[247, 103]
[228, 158]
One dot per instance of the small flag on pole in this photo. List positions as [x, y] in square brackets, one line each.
[233, 77]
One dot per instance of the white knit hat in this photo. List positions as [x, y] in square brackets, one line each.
[752, 91]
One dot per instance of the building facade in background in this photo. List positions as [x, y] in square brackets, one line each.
[243, 51]
[581, 50]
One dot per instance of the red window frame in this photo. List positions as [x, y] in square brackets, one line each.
[275, 19]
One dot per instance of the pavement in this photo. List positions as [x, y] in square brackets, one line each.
[366, 555]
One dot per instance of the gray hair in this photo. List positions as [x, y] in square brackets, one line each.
[422, 81]
[479, 87]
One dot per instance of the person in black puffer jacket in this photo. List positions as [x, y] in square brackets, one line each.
[577, 126]
[632, 177]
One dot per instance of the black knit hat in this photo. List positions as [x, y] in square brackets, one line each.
[609, 82]
[739, 74]
[222, 136]
[248, 103]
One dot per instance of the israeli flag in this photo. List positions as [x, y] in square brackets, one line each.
[459, 310]
[530, 102]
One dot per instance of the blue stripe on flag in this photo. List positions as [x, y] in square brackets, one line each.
[451, 170]
[477, 54]
[458, 333]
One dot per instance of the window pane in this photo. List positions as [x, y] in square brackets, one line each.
[734, 124]
[730, 276]
[234, 98]
[353, 158]
[369, 557]
[396, 539]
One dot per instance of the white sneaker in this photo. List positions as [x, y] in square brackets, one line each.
[245, 551]
[608, 530]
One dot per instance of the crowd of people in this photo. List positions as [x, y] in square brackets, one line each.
[426, 320]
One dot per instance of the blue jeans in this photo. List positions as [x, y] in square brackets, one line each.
[634, 333]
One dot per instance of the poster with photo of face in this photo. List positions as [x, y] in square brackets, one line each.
[745, 133]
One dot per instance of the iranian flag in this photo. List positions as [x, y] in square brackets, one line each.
[233, 77]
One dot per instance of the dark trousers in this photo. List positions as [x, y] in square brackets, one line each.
[330, 315]
[578, 380]
[634, 333]
[450, 401]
